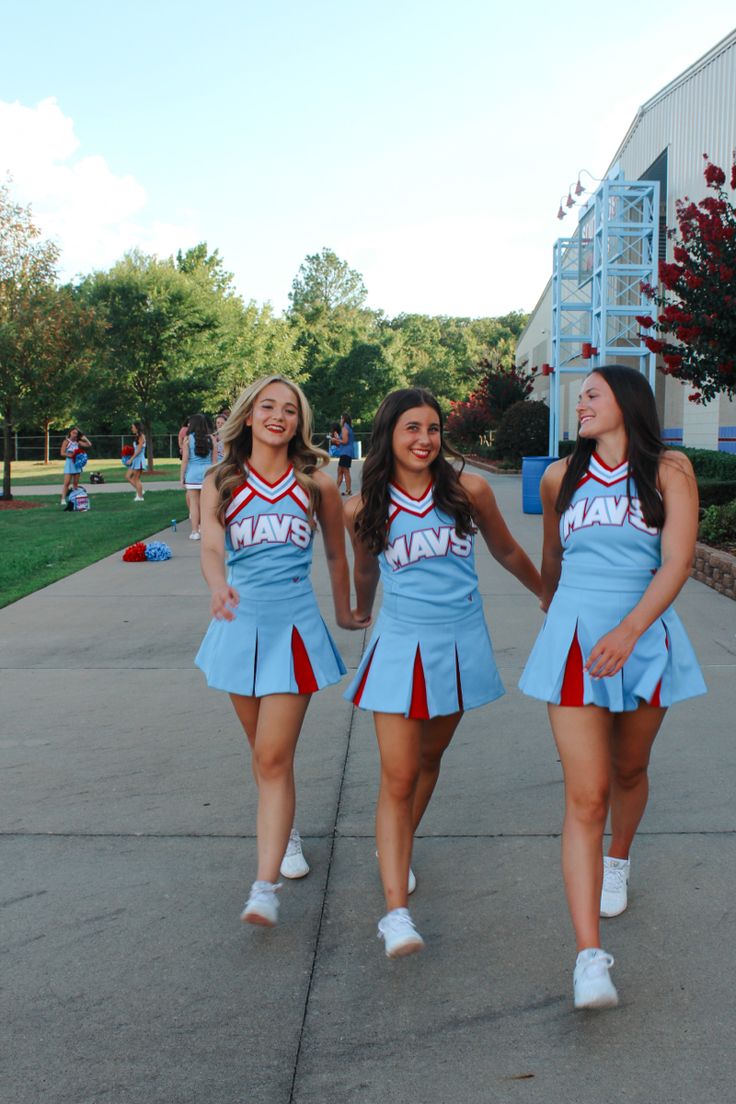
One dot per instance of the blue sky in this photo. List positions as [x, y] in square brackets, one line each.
[427, 143]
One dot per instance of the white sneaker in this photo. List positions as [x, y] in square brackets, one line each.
[412, 882]
[614, 893]
[138, 498]
[398, 933]
[194, 536]
[262, 906]
[592, 986]
[293, 864]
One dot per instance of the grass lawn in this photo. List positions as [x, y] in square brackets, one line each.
[28, 473]
[42, 545]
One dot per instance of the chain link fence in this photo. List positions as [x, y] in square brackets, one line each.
[107, 446]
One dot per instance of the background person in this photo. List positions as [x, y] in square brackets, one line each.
[182, 435]
[137, 461]
[196, 458]
[345, 450]
[620, 521]
[74, 440]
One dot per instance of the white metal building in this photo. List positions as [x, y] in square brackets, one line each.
[694, 114]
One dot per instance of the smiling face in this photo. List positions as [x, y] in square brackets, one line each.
[597, 410]
[416, 440]
[274, 418]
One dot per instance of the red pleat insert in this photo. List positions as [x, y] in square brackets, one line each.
[459, 683]
[303, 673]
[655, 698]
[364, 678]
[572, 684]
[418, 710]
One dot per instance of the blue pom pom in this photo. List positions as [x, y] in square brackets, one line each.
[157, 550]
[80, 460]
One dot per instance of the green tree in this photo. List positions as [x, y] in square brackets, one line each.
[154, 356]
[27, 317]
[324, 283]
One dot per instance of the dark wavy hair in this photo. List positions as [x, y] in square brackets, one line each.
[371, 526]
[138, 431]
[200, 427]
[635, 400]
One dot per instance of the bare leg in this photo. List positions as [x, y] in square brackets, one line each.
[582, 737]
[436, 737]
[348, 481]
[65, 490]
[631, 747]
[340, 474]
[193, 505]
[272, 725]
[399, 742]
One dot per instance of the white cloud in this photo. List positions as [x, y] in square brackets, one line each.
[93, 214]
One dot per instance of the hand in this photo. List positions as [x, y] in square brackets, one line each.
[355, 620]
[224, 600]
[608, 656]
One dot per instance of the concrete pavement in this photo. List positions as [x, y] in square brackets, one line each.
[127, 847]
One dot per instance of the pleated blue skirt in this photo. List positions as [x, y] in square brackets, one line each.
[662, 668]
[273, 646]
[70, 467]
[425, 660]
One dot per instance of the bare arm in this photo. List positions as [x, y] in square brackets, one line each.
[365, 569]
[501, 544]
[680, 496]
[224, 598]
[549, 489]
[85, 442]
[184, 459]
[139, 446]
[64, 446]
[333, 535]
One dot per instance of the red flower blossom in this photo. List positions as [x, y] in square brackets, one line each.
[645, 321]
[673, 360]
[733, 176]
[669, 274]
[653, 345]
[714, 176]
[695, 397]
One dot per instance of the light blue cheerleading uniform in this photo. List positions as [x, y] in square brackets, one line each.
[609, 558]
[430, 653]
[138, 462]
[278, 642]
[197, 466]
[70, 468]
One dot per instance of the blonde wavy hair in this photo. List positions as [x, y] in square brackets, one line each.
[237, 440]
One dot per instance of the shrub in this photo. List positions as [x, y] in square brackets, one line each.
[711, 464]
[523, 431]
[498, 388]
[718, 524]
[716, 492]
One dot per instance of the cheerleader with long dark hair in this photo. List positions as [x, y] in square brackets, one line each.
[430, 657]
[620, 521]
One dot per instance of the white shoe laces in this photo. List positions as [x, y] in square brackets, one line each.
[396, 925]
[294, 846]
[597, 965]
[614, 879]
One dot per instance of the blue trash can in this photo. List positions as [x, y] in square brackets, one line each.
[532, 470]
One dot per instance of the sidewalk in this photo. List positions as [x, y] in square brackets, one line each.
[128, 845]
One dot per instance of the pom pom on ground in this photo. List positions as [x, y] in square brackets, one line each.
[158, 550]
[135, 553]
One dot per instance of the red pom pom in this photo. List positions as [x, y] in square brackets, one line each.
[127, 450]
[135, 553]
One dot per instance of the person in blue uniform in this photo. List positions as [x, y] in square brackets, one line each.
[267, 645]
[72, 443]
[345, 443]
[620, 521]
[430, 656]
[137, 462]
[196, 458]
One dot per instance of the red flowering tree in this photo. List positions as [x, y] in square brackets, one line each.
[498, 389]
[696, 327]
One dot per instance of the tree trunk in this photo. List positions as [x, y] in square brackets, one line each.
[46, 427]
[149, 445]
[8, 443]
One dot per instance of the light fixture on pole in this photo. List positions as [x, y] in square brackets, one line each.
[561, 212]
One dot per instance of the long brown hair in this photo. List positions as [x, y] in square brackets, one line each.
[635, 399]
[237, 440]
[449, 495]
